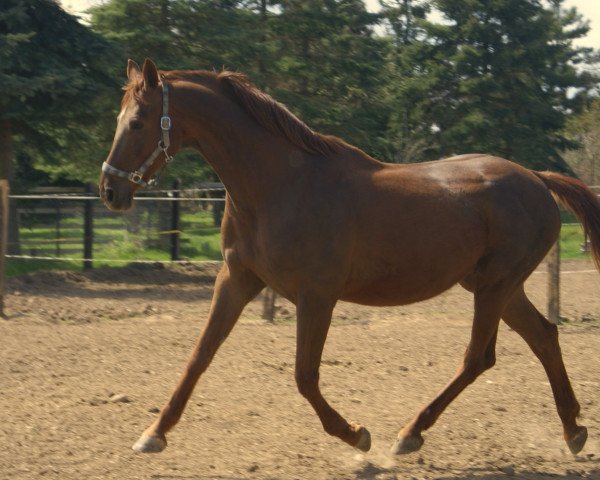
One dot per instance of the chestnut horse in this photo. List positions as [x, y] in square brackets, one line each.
[318, 221]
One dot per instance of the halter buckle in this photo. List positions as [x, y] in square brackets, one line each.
[165, 123]
[135, 177]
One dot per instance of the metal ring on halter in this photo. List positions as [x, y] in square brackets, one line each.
[135, 177]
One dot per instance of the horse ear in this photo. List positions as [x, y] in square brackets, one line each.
[150, 73]
[133, 70]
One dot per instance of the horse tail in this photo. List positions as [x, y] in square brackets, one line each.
[578, 198]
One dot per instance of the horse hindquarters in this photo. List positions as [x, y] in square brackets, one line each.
[523, 223]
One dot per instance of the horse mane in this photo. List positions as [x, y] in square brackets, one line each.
[268, 112]
[275, 116]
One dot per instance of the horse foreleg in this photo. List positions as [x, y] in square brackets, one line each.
[314, 318]
[480, 356]
[542, 338]
[233, 290]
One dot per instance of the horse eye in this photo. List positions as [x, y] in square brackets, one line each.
[136, 125]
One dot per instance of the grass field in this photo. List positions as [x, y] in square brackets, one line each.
[115, 245]
[571, 242]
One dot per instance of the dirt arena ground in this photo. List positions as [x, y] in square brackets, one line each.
[74, 340]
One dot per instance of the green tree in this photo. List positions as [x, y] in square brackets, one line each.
[194, 34]
[408, 133]
[329, 68]
[140, 28]
[53, 72]
[52, 75]
[498, 75]
[320, 57]
[585, 130]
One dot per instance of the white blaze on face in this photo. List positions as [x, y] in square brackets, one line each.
[122, 121]
[119, 138]
[121, 113]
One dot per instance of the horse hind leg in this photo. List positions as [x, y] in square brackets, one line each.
[542, 338]
[480, 356]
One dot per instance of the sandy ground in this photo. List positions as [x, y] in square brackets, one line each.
[74, 340]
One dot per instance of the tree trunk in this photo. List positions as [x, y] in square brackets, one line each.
[4, 191]
[263, 39]
[6, 150]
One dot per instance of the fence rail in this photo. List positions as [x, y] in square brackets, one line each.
[67, 226]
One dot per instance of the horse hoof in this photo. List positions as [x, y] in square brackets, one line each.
[147, 444]
[577, 441]
[406, 445]
[364, 442]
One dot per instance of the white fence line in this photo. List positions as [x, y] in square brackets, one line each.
[87, 197]
[114, 260]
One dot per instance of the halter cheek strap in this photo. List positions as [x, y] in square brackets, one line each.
[162, 147]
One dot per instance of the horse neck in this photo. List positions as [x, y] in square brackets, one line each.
[250, 161]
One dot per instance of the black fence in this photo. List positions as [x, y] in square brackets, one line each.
[166, 225]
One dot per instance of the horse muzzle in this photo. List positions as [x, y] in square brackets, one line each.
[116, 195]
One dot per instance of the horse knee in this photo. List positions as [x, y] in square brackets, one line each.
[307, 382]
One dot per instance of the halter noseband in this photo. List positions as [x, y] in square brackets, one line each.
[163, 145]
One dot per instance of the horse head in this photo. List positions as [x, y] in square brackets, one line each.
[135, 155]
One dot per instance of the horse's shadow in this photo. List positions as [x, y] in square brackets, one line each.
[369, 471]
[194, 477]
[373, 472]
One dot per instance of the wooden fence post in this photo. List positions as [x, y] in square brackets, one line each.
[57, 228]
[554, 284]
[88, 227]
[4, 190]
[269, 297]
[175, 221]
